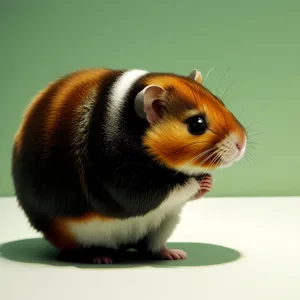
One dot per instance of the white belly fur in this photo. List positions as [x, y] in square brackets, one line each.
[111, 233]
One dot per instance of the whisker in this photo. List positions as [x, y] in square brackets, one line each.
[255, 134]
[250, 156]
[249, 128]
[206, 76]
[252, 142]
[252, 146]
[193, 159]
[247, 160]
[225, 93]
[248, 150]
[219, 158]
[215, 159]
[222, 80]
[191, 144]
[200, 155]
[227, 151]
[220, 153]
[207, 158]
[240, 115]
[250, 125]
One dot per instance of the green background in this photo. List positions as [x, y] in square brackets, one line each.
[256, 42]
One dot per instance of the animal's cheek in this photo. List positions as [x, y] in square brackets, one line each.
[175, 148]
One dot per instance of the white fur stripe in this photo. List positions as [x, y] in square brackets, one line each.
[158, 224]
[116, 101]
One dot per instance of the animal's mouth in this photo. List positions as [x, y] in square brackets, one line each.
[232, 149]
[228, 160]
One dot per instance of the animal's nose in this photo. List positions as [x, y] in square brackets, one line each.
[240, 145]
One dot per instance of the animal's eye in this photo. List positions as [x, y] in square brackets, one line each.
[196, 125]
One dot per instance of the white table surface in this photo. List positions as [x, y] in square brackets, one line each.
[239, 248]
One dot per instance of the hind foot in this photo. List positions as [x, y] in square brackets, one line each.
[104, 260]
[172, 254]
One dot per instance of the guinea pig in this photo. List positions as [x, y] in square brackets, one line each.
[104, 160]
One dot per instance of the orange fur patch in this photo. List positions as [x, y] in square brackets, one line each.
[61, 237]
[73, 93]
[68, 93]
[26, 117]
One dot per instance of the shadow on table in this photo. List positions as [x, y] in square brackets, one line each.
[39, 251]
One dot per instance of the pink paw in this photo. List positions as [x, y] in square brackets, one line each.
[205, 186]
[102, 260]
[172, 254]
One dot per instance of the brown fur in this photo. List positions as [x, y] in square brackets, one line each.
[72, 95]
[67, 95]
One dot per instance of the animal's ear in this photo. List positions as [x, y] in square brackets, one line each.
[149, 103]
[196, 75]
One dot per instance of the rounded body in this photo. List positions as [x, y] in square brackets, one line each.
[89, 169]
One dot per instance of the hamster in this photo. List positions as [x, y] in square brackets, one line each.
[104, 160]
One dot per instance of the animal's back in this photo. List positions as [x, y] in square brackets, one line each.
[47, 169]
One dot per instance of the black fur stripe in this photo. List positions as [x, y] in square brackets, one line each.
[124, 182]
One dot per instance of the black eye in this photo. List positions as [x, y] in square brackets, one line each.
[196, 125]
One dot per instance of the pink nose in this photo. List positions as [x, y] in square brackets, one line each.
[240, 145]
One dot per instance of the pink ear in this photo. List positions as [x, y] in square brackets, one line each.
[149, 103]
[196, 75]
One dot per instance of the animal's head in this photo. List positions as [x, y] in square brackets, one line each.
[190, 130]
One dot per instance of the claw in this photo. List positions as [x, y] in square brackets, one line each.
[172, 254]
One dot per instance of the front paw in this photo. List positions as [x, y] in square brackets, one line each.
[205, 185]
